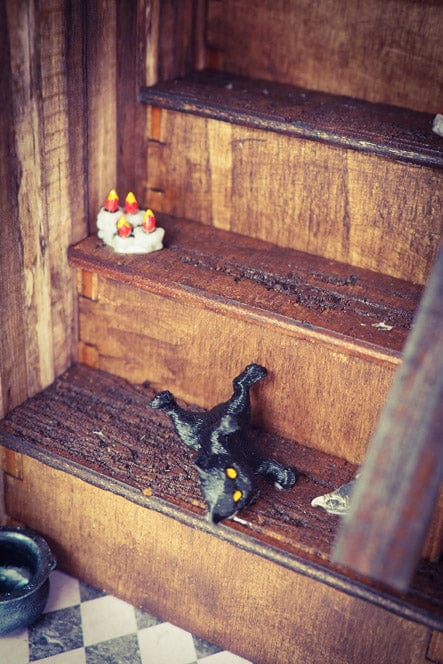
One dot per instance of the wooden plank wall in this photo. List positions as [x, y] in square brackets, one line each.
[173, 36]
[380, 50]
[130, 44]
[115, 62]
[69, 131]
[43, 190]
[69, 123]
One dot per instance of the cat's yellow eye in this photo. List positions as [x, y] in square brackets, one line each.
[236, 496]
[231, 473]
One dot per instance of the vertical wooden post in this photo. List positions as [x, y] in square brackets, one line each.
[131, 115]
[13, 379]
[401, 477]
[42, 201]
[101, 72]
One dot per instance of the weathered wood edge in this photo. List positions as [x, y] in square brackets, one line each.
[169, 96]
[249, 543]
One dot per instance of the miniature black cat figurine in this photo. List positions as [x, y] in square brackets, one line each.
[227, 461]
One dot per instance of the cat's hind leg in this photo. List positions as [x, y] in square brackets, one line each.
[239, 403]
[187, 423]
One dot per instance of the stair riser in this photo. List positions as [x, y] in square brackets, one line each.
[342, 204]
[321, 391]
[362, 50]
[270, 614]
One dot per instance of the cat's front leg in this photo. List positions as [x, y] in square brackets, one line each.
[283, 476]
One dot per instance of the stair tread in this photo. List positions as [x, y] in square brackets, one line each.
[278, 286]
[382, 129]
[93, 424]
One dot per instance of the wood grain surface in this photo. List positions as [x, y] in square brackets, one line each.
[105, 424]
[382, 129]
[403, 472]
[91, 448]
[387, 51]
[355, 207]
[101, 103]
[43, 207]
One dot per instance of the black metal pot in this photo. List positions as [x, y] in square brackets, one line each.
[25, 563]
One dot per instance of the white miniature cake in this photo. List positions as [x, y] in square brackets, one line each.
[128, 231]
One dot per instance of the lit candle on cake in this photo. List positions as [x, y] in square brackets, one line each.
[111, 202]
[108, 217]
[149, 223]
[132, 211]
[124, 228]
[148, 237]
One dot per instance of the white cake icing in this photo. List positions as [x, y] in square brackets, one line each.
[107, 224]
[140, 242]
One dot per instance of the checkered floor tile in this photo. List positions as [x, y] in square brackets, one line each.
[82, 625]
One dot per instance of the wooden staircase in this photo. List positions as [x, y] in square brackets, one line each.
[301, 227]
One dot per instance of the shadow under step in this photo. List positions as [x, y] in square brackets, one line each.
[190, 317]
[90, 465]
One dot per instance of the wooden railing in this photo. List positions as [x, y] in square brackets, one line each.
[398, 487]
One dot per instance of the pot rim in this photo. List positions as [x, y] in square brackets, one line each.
[39, 548]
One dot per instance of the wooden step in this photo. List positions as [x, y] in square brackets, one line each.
[90, 452]
[190, 317]
[335, 176]
[381, 129]
[105, 424]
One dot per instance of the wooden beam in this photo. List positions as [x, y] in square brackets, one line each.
[42, 141]
[400, 480]
[13, 376]
[130, 116]
[101, 54]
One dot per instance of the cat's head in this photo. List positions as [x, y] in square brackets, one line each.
[227, 485]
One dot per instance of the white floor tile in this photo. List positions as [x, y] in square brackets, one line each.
[64, 591]
[14, 648]
[106, 618]
[77, 656]
[166, 644]
[223, 658]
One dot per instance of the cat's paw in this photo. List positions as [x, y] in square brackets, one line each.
[162, 399]
[286, 477]
[283, 476]
[254, 372]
